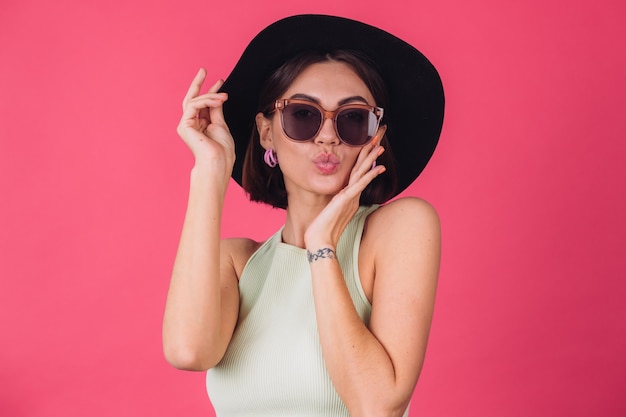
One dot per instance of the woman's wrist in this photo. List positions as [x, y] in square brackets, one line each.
[321, 254]
[214, 165]
[207, 175]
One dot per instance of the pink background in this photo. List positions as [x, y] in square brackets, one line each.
[529, 181]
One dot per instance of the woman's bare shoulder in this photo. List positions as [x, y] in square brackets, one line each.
[407, 221]
[240, 244]
[396, 236]
[404, 215]
[237, 251]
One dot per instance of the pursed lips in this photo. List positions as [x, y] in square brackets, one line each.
[326, 163]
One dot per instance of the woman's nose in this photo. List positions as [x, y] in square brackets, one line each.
[327, 133]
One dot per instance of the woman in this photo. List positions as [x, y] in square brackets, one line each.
[331, 315]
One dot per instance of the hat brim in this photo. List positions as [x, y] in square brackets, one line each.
[415, 110]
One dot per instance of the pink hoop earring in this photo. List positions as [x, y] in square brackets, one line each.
[270, 158]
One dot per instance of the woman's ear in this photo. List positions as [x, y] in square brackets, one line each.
[264, 127]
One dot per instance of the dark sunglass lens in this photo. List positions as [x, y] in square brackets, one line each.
[353, 125]
[301, 121]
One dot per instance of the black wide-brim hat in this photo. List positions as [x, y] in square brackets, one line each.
[414, 112]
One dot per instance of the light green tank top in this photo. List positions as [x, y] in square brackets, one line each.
[274, 366]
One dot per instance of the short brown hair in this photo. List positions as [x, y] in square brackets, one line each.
[266, 185]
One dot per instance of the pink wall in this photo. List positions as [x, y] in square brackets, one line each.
[529, 181]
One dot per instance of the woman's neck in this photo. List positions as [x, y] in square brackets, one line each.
[300, 214]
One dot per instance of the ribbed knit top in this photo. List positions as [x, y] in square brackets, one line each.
[274, 366]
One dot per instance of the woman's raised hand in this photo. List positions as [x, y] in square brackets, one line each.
[328, 226]
[203, 128]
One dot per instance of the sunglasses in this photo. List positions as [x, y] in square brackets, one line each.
[355, 124]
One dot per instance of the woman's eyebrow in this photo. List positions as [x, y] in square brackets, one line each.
[352, 99]
[300, 96]
[343, 101]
